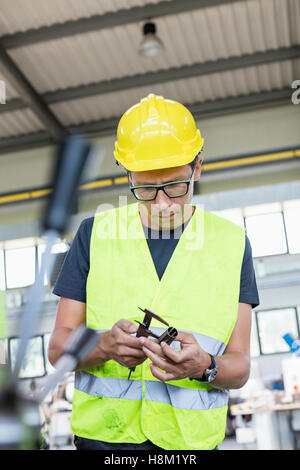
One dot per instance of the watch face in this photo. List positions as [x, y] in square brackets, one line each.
[211, 375]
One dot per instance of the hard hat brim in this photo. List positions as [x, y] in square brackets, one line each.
[158, 163]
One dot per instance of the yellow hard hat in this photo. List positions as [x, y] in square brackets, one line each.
[157, 133]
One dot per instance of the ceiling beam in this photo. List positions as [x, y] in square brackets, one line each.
[29, 95]
[21, 142]
[160, 76]
[203, 110]
[107, 20]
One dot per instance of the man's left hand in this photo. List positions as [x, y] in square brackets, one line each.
[190, 361]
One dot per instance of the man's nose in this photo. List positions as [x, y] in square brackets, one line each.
[162, 198]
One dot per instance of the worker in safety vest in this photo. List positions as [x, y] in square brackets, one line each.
[189, 266]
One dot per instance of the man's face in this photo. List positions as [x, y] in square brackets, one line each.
[165, 212]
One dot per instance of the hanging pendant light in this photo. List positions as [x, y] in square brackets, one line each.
[151, 46]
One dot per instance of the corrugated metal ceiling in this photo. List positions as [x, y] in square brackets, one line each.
[20, 15]
[189, 38]
[19, 122]
[10, 92]
[198, 89]
[208, 34]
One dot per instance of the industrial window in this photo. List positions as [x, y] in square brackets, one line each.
[20, 267]
[292, 224]
[49, 368]
[254, 344]
[2, 271]
[234, 215]
[3, 354]
[57, 248]
[266, 233]
[272, 325]
[34, 363]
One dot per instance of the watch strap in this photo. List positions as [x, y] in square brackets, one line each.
[204, 378]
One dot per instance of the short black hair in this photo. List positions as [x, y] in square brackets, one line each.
[193, 163]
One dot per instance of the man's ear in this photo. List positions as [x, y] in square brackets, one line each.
[128, 173]
[119, 164]
[198, 168]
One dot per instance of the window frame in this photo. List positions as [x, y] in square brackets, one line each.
[256, 312]
[284, 231]
[9, 357]
[35, 268]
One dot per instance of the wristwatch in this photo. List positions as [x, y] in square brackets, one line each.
[210, 373]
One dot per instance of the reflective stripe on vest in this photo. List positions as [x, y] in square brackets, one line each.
[155, 390]
[198, 293]
[178, 397]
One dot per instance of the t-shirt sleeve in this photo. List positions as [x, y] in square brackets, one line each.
[248, 287]
[71, 281]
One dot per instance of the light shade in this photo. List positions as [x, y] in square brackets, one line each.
[151, 46]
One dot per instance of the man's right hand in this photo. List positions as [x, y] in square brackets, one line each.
[118, 344]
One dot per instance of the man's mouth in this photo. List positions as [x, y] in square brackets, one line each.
[168, 216]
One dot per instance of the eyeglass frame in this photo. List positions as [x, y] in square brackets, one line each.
[158, 187]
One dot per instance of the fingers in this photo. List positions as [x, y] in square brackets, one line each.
[163, 350]
[185, 338]
[171, 354]
[122, 330]
[156, 360]
[152, 345]
[168, 371]
[124, 348]
[168, 364]
[155, 352]
[163, 376]
[130, 352]
[126, 326]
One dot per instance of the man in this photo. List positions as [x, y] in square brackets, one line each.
[191, 267]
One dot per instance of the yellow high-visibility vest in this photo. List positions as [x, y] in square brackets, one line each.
[198, 293]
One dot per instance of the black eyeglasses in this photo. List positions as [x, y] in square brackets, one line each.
[148, 192]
